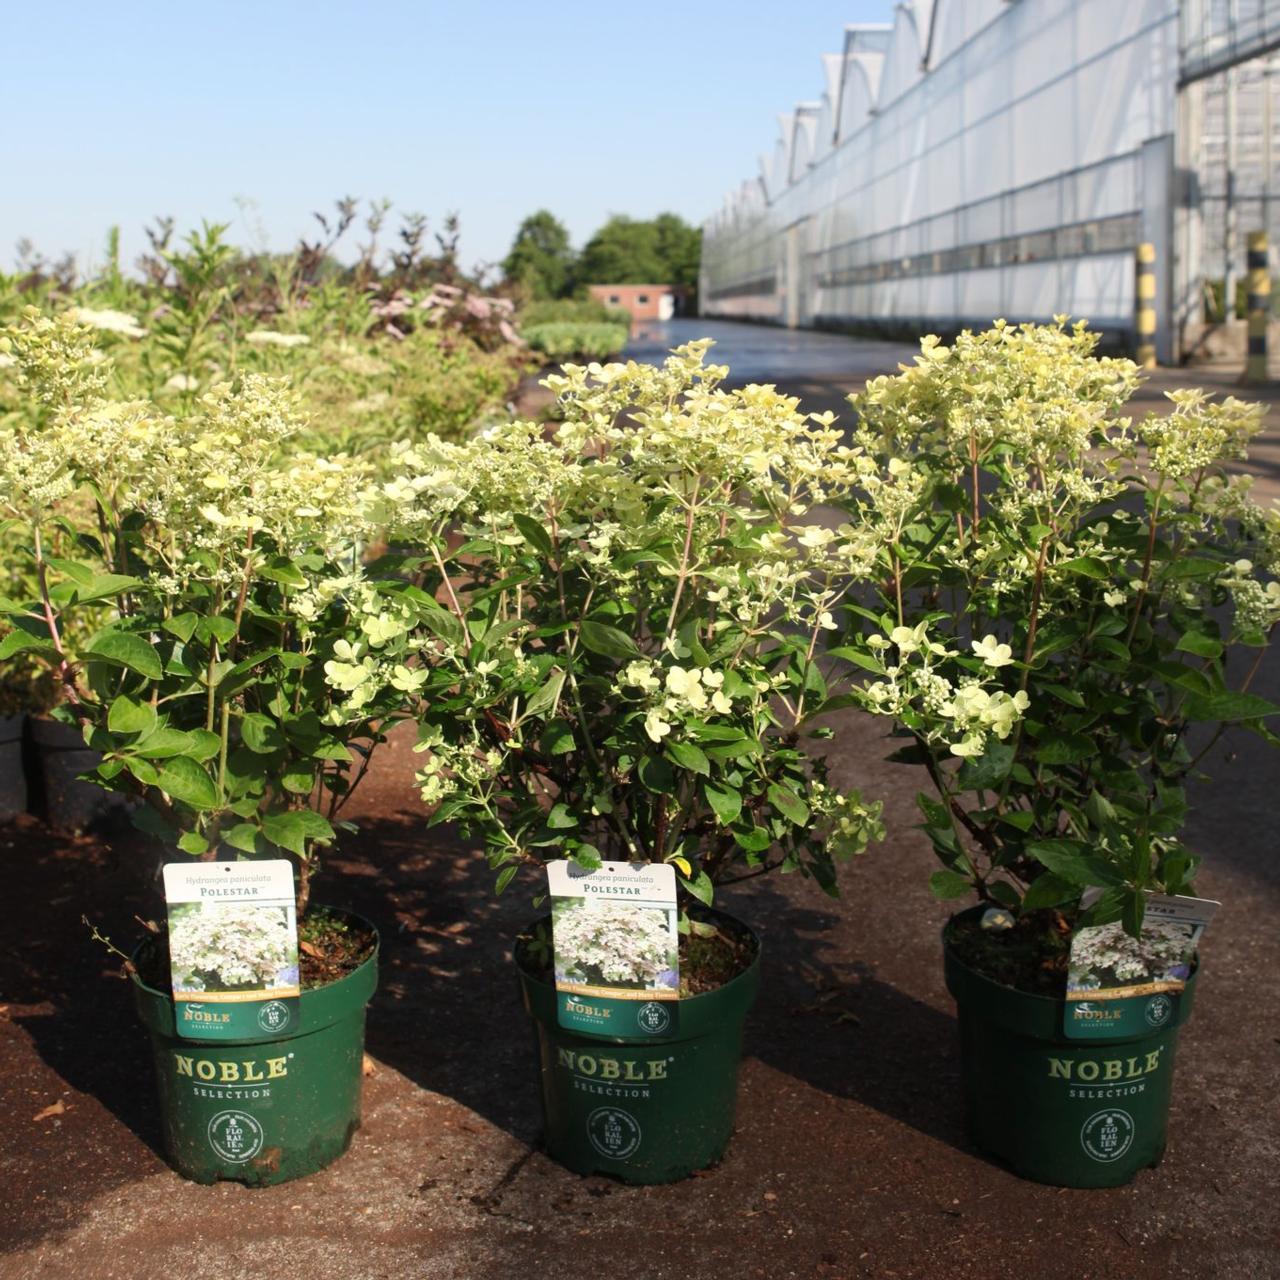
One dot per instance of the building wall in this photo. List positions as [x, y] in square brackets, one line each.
[644, 301]
[1004, 178]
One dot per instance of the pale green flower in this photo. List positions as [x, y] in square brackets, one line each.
[992, 652]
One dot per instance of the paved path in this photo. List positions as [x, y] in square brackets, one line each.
[823, 368]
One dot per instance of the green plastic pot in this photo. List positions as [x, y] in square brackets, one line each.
[644, 1111]
[1071, 1113]
[263, 1109]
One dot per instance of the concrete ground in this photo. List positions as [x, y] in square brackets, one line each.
[850, 1159]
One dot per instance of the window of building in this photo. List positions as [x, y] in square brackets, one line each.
[642, 298]
[614, 299]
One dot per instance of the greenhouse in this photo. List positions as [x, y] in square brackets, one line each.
[984, 158]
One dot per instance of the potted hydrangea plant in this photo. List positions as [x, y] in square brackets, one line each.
[1059, 590]
[220, 567]
[627, 664]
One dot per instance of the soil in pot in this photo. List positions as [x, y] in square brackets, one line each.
[275, 1107]
[658, 1108]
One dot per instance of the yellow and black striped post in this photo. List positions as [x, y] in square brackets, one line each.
[1144, 304]
[1258, 306]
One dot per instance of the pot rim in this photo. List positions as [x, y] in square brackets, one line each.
[372, 957]
[1058, 1002]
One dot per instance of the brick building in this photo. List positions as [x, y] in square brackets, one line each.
[644, 301]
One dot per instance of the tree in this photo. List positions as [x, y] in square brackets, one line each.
[541, 258]
[664, 250]
[680, 248]
[623, 251]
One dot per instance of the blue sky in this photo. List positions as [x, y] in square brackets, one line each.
[117, 112]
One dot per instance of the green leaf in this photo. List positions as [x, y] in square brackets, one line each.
[505, 877]
[1049, 890]
[1068, 860]
[298, 779]
[687, 756]
[286, 830]
[752, 839]
[291, 830]
[949, 884]
[145, 772]
[128, 716]
[989, 769]
[547, 696]
[164, 742]
[859, 659]
[20, 641]
[193, 842]
[656, 775]
[260, 733]
[244, 836]
[588, 857]
[1193, 567]
[607, 641]
[285, 572]
[183, 626]
[121, 648]
[1003, 891]
[315, 825]
[560, 819]
[441, 622]
[1066, 748]
[1229, 706]
[212, 627]
[1201, 645]
[103, 586]
[1089, 566]
[185, 780]
[789, 804]
[700, 886]
[557, 738]
[725, 803]
[534, 534]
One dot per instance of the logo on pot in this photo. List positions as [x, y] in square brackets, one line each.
[235, 1136]
[1107, 1135]
[613, 1133]
[1158, 1010]
[273, 1016]
[653, 1018]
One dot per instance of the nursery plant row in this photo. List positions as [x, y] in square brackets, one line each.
[625, 640]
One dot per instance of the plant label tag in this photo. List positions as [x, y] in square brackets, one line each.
[616, 942]
[1118, 986]
[233, 949]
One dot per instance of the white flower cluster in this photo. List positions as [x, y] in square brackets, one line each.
[270, 338]
[674, 692]
[469, 767]
[620, 942]
[231, 944]
[108, 321]
[1257, 604]
[1108, 948]
[964, 712]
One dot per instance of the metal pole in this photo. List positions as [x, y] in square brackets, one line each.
[1259, 307]
[1229, 225]
[1144, 304]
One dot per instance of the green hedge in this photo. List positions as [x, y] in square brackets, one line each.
[567, 340]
